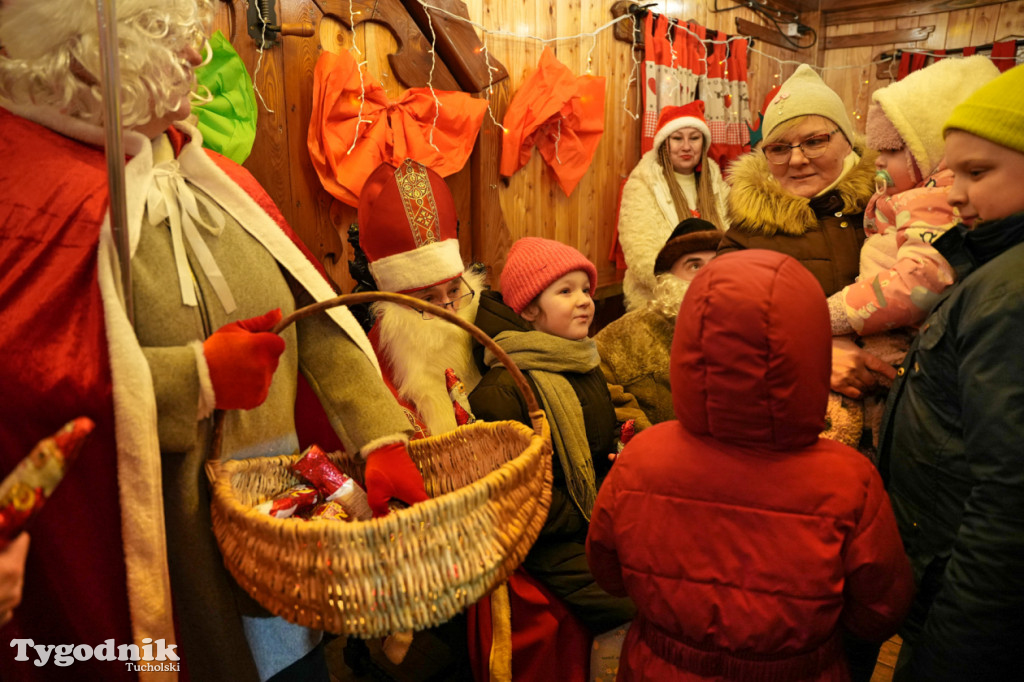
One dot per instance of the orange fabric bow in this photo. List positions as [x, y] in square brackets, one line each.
[559, 113]
[387, 131]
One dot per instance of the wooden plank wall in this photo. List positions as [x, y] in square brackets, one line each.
[962, 28]
[532, 203]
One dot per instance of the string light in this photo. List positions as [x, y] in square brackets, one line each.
[430, 81]
[360, 65]
[259, 59]
[634, 70]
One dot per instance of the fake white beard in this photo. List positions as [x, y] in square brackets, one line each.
[420, 350]
[668, 291]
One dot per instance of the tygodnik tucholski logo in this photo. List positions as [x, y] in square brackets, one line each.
[136, 658]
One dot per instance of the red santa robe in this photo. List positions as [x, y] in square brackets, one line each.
[97, 567]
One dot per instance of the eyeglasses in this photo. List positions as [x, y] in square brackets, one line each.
[811, 148]
[454, 305]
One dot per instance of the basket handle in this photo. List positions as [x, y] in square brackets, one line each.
[436, 311]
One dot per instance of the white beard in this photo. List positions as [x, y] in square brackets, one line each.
[420, 350]
[668, 295]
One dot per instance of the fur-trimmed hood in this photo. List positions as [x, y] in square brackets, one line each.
[759, 204]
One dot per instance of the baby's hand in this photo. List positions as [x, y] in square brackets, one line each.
[612, 456]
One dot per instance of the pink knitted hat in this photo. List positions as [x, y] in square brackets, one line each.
[533, 264]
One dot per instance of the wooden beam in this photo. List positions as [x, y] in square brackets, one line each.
[768, 35]
[901, 9]
[903, 35]
[457, 43]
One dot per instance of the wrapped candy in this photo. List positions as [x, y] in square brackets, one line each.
[331, 511]
[30, 484]
[295, 500]
[332, 483]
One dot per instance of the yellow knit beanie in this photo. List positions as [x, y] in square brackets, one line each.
[994, 112]
[805, 94]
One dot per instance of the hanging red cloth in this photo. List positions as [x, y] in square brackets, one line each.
[559, 113]
[548, 641]
[1004, 54]
[437, 128]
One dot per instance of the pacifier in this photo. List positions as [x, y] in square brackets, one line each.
[883, 181]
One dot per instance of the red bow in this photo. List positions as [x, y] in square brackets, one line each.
[560, 113]
[383, 130]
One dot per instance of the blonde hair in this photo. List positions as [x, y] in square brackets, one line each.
[54, 56]
[707, 203]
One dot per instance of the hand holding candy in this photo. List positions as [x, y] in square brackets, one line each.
[391, 474]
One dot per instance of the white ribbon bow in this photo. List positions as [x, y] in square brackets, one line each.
[170, 198]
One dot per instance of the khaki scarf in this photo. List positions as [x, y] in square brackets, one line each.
[545, 358]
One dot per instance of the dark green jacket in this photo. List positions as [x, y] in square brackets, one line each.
[558, 558]
[953, 445]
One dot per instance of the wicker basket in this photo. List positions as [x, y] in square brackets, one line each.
[490, 485]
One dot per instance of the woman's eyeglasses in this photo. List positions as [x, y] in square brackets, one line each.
[811, 148]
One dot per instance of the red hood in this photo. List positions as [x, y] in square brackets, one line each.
[751, 355]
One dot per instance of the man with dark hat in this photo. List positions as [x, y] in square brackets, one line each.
[635, 348]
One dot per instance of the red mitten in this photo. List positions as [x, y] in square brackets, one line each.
[391, 474]
[242, 357]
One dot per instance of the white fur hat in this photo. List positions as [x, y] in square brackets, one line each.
[918, 105]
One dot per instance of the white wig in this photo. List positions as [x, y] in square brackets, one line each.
[53, 58]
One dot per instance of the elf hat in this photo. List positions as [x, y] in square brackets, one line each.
[994, 112]
[407, 227]
[693, 234]
[805, 94]
[689, 115]
[911, 112]
[533, 264]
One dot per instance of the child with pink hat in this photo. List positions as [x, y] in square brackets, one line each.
[549, 287]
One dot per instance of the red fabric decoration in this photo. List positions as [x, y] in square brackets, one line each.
[546, 636]
[563, 115]
[383, 131]
[1004, 54]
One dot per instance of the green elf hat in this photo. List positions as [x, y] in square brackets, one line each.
[228, 121]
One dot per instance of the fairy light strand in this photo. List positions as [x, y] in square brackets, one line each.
[259, 59]
[430, 81]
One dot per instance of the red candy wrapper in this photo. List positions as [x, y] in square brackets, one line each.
[295, 500]
[332, 482]
[460, 401]
[626, 433]
[30, 484]
[331, 511]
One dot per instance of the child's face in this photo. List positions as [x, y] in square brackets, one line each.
[565, 308]
[986, 178]
[900, 167]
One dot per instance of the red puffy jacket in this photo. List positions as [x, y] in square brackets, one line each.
[744, 540]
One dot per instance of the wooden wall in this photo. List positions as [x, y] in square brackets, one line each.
[962, 28]
[492, 213]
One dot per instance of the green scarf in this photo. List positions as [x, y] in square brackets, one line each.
[545, 357]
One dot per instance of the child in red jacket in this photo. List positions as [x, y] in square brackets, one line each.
[748, 544]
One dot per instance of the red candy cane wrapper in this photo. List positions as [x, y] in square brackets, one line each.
[332, 482]
[24, 491]
[295, 500]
